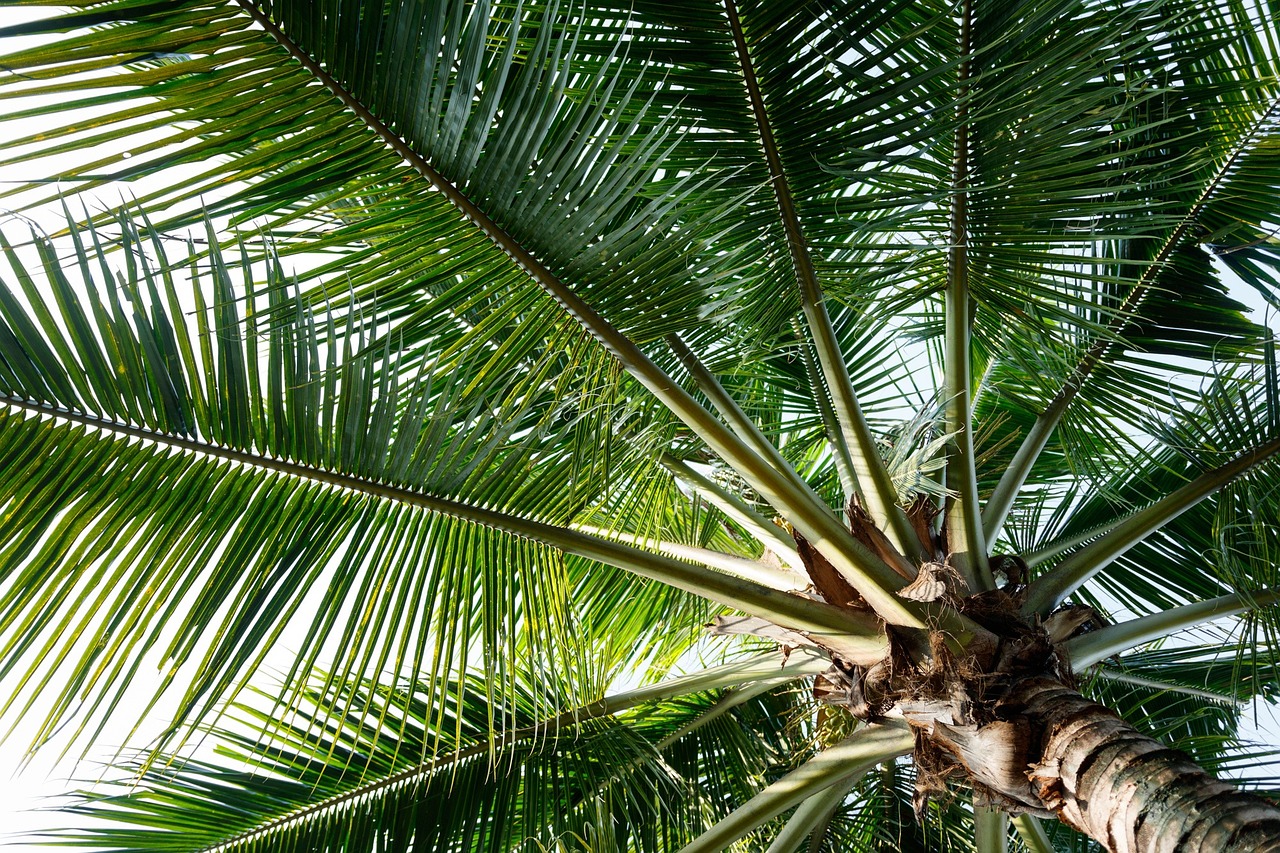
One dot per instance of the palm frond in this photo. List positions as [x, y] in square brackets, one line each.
[597, 289]
[374, 766]
[247, 508]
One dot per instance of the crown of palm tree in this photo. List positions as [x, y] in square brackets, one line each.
[531, 353]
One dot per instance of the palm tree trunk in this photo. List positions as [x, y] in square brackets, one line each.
[1127, 791]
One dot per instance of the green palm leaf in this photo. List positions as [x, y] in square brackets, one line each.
[364, 767]
[245, 508]
[806, 311]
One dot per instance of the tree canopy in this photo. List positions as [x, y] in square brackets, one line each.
[491, 364]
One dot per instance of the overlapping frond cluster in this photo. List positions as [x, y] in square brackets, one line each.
[493, 306]
[532, 786]
[264, 465]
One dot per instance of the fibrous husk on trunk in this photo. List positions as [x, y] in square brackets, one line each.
[1006, 717]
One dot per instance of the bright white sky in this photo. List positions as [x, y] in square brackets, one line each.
[25, 787]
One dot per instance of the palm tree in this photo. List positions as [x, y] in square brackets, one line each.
[869, 362]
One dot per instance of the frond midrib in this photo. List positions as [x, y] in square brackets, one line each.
[1005, 493]
[857, 634]
[785, 489]
[803, 663]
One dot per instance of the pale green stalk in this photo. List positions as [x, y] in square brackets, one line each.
[784, 490]
[831, 424]
[742, 426]
[835, 765]
[990, 830]
[964, 521]
[1048, 591]
[766, 667]
[1015, 475]
[732, 698]
[1088, 649]
[770, 668]
[1066, 543]
[870, 474]
[1032, 834]
[1011, 482]
[855, 634]
[765, 531]
[762, 573]
[813, 812]
[1155, 684]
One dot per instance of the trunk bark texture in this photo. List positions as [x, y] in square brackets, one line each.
[1127, 791]
[1000, 714]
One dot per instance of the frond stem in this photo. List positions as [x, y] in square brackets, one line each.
[710, 386]
[1048, 590]
[765, 531]
[732, 698]
[831, 424]
[870, 473]
[762, 668]
[990, 830]
[789, 494]
[1156, 684]
[744, 427]
[1032, 833]
[777, 578]
[1066, 543]
[1088, 649]
[811, 814]
[1011, 482]
[963, 514]
[856, 634]
[835, 765]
